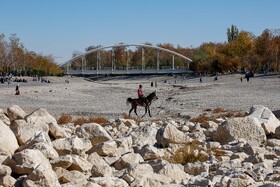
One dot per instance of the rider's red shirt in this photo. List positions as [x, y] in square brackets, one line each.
[140, 93]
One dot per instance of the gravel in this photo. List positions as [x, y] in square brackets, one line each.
[106, 97]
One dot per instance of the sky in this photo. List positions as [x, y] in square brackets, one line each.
[60, 27]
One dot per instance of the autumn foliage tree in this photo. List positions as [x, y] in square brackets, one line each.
[16, 59]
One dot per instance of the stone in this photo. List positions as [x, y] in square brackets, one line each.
[79, 164]
[8, 141]
[99, 167]
[26, 161]
[138, 169]
[26, 131]
[267, 119]
[108, 148]
[128, 160]
[62, 162]
[71, 145]
[15, 112]
[4, 118]
[94, 132]
[41, 176]
[174, 172]
[247, 128]
[170, 134]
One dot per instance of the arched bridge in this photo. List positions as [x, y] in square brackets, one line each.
[83, 69]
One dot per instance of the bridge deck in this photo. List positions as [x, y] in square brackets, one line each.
[125, 72]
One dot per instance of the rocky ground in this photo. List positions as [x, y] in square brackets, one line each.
[224, 152]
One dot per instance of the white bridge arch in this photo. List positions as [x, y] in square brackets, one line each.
[99, 71]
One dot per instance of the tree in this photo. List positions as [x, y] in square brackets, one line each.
[232, 33]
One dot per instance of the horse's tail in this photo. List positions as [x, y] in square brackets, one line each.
[129, 100]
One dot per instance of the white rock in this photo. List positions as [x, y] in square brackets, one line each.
[26, 131]
[128, 160]
[99, 167]
[8, 141]
[246, 128]
[174, 172]
[26, 161]
[94, 132]
[138, 169]
[41, 176]
[15, 112]
[170, 134]
[4, 118]
[267, 119]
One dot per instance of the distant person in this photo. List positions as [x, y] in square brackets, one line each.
[17, 90]
[241, 79]
[247, 77]
[152, 84]
[200, 80]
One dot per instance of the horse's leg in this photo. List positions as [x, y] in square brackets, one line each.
[145, 111]
[149, 112]
[130, 110]
[135, 110]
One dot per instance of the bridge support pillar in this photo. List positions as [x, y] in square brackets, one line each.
[173, 62]
[127, 60]
[143, 59]
[157, 59]
[113, 59]
[83, 64]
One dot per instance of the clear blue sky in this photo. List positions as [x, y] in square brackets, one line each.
[59, 27]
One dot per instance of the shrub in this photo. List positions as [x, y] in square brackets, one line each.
[190, 153]
[64, 119]
[99, 120]
[201, 119]
[79, 121]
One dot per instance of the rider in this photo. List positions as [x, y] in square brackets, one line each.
[140, 93]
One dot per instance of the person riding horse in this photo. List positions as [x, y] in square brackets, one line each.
[147, 101]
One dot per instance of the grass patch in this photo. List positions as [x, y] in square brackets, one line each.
[190, 153]
[64, 119]
[215, 114]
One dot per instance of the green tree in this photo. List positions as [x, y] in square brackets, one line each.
[232, 33]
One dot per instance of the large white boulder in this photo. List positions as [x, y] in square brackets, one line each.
[128, 160]
[71, 145]
[99, 167]
[26, 131]
[267, 119]
[4, 118]
[26, 161]
[170, 134]
[8, 141]
[15, 112]
[94, 132]
[247, 128]
[41, 176]
[137, 169]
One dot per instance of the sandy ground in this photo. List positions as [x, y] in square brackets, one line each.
[107, 97]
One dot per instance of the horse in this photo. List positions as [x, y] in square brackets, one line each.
[144, 102]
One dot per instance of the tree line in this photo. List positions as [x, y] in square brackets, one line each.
[15, 59]
[241, 52]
